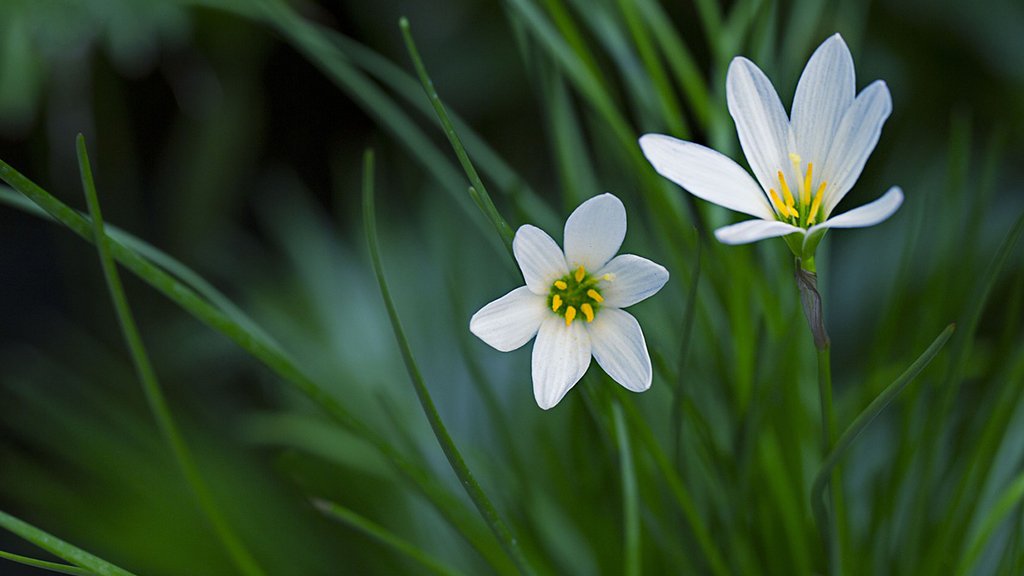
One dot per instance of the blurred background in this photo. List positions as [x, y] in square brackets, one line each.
[221, 135]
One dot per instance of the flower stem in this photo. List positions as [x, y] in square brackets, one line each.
[451, 452]
[831, 528]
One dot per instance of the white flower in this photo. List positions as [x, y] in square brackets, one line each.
[573, 303]
[804, 164]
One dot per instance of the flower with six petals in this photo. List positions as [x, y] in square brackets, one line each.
[804, 164]
[572, 302]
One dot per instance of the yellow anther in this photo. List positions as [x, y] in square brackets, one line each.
[805, 192]
[580, 273]
[817, 204]
[561, 285]
[595, 296]
[588, 311]
[785, 191]
[556, 303]
[608, 277]
[570, 313]
[795, 158]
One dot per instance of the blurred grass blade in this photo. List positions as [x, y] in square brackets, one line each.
[865, 418]
[482, 198]
[60, 548]
[679, 58]
[451, 452]
[678, 489]
[1010, 499]
[267, 352]
[44, 565]
[151, 386]
[383, 535]
[630, 498]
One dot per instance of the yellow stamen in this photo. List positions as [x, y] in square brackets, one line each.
[785, 191]
[580, 273]
[561, 285]
[595, 296]
[805, 192]
[608, 277]
[795, 158]
[570, 313]
[556, 303]
[817, 204]
[778, 204]
[588, 311]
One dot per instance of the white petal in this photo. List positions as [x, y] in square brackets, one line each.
[631, 279]
[706, 174]
[761, 122]
[826, 90]
[540, 259]
[854, 141]
[866, 215]
[510, 321]
[754, 230]
[619, 347]
[594, 232]
[561, 356]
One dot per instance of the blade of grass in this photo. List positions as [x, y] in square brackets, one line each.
[842, 446]
[383, 535]
[451, 452]
[482, 198]
[677, 488]
[240, 555]
[268, 353]
[1011, 498]
[60, 548]
[630, 499]
[44, 565]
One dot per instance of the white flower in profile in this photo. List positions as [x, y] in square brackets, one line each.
[804, 164]
[573, 303]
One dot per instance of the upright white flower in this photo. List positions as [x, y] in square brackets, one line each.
[573, 303]
[804, 164]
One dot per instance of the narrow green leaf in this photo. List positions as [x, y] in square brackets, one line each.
[43, 564]
[1011, 498]
[266, 351]
[451, 452]
[842, 446]
[60, 548]
[384, 536]
[482, 198]
[630, 498]
[241, 556]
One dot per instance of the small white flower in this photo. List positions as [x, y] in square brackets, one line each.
[804, 164]
[573, 303]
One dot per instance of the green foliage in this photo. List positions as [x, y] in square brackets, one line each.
[282, 395]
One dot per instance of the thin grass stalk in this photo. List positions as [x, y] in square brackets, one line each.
[60, 548]
[239, 553]
[267, 352]
[384, 536]
[630, 498]
[44, 565]
[451, 452]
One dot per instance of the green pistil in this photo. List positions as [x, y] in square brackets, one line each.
[575, 294]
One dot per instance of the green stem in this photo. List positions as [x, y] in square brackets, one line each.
[151, 386]
[630, 499]
[43, 564]
[831, 528]
[60, 548]
[451, 452]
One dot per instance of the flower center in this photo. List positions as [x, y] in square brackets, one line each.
[576, 293]
[786, 208]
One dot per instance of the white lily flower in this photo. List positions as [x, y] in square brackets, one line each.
[804, 164]
[573, 301]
